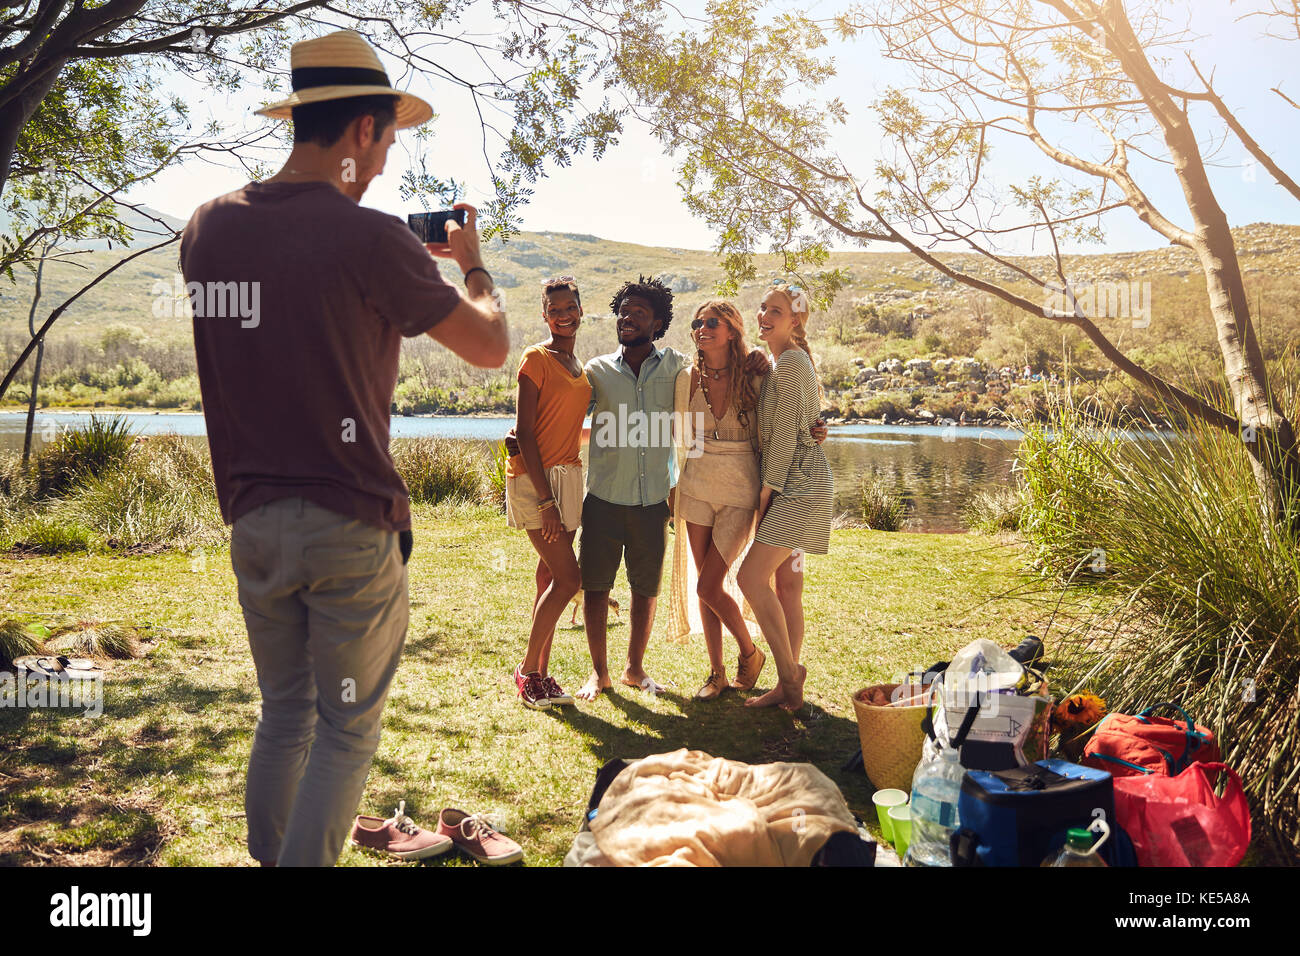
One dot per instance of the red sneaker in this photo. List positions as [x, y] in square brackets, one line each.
[532, 689]
[554, 692]
[399, 836]
[472, 833]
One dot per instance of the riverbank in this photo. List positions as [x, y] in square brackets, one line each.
[144, 410]
[158, 779]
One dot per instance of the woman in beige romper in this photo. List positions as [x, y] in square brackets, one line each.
[718, 488]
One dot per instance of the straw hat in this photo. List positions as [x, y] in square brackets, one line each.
[339, 65]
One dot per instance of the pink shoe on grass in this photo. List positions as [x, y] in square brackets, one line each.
[399, 836]
[474, 836]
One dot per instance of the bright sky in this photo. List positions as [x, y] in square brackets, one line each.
[631, 193]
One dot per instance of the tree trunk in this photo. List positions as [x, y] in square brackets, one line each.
[1269, 437]
[31, 402]
[40, 352]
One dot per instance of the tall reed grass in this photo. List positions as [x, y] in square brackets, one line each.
[990, 510]
[99, 488]
[876, 507]
[16, 641]
[80, 454]
[1201, 585]
[162, 496]
[444, 469]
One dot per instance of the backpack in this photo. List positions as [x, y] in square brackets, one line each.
[1017, 817]
[1142, 744]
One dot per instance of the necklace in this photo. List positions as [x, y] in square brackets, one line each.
[708, 400]
[715, 372]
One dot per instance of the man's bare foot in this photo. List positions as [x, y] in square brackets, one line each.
[592, 689]
[641, 680]
[793, 695]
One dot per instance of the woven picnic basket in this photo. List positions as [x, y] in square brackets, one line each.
[891, 736]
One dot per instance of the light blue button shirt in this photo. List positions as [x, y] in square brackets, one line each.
[630, 459]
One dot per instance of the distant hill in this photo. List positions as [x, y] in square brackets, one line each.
[602, 265]
[894, 307]
[147, 231]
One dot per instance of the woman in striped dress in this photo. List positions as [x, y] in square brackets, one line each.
[797, 497]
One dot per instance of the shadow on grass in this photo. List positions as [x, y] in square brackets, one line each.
[78, 790]
[724, 728]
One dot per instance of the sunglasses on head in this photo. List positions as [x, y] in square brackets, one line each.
[711, 322]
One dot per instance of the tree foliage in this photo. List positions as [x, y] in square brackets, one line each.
[1090, 86]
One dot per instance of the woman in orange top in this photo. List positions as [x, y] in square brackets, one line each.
[544, 481]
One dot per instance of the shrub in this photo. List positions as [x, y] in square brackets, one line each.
[1068, 489]
[78, 455]
[438, 469]
[991, 510]
[1198, 585]
[48, 532]
[162, 496]
[497, 474]
[878, 508]
[15, 642]
[15, 482]
[97, 639]
[879, 405]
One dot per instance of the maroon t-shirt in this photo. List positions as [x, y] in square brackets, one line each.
[301, 302]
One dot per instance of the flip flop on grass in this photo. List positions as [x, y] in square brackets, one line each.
[59, 666]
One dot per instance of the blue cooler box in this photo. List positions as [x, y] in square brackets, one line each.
[1017, 817]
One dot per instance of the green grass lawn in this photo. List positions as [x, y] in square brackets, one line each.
[159, 777]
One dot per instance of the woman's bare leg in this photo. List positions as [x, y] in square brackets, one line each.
[701, 539]
[543, 581]
[562, 565]
[759, 565]
[789, 591]
[713, 594]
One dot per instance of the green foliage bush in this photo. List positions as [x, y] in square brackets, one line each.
[81, 454]
[443, 469]
[162, 496]
[1201, 581]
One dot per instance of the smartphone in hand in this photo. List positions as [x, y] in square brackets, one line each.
[432, 226]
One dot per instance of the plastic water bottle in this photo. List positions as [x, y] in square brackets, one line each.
[1078, 850]
[935, 789]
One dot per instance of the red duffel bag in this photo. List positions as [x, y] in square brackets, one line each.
[1179, 821]
[1144, 744]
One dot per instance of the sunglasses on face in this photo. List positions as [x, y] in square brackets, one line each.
[711, 322]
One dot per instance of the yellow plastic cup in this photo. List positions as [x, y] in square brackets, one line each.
[901, 820]
[884, 799]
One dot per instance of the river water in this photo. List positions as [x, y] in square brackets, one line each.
[934, 469]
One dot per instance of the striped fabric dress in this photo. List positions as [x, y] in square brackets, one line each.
[794, 465]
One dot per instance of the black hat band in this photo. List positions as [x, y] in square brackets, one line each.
[306, 77]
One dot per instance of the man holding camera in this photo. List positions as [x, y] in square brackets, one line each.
[297, 405]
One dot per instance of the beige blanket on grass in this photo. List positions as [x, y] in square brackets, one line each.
[687, 808]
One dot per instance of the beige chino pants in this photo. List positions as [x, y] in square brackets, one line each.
[325, 602]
